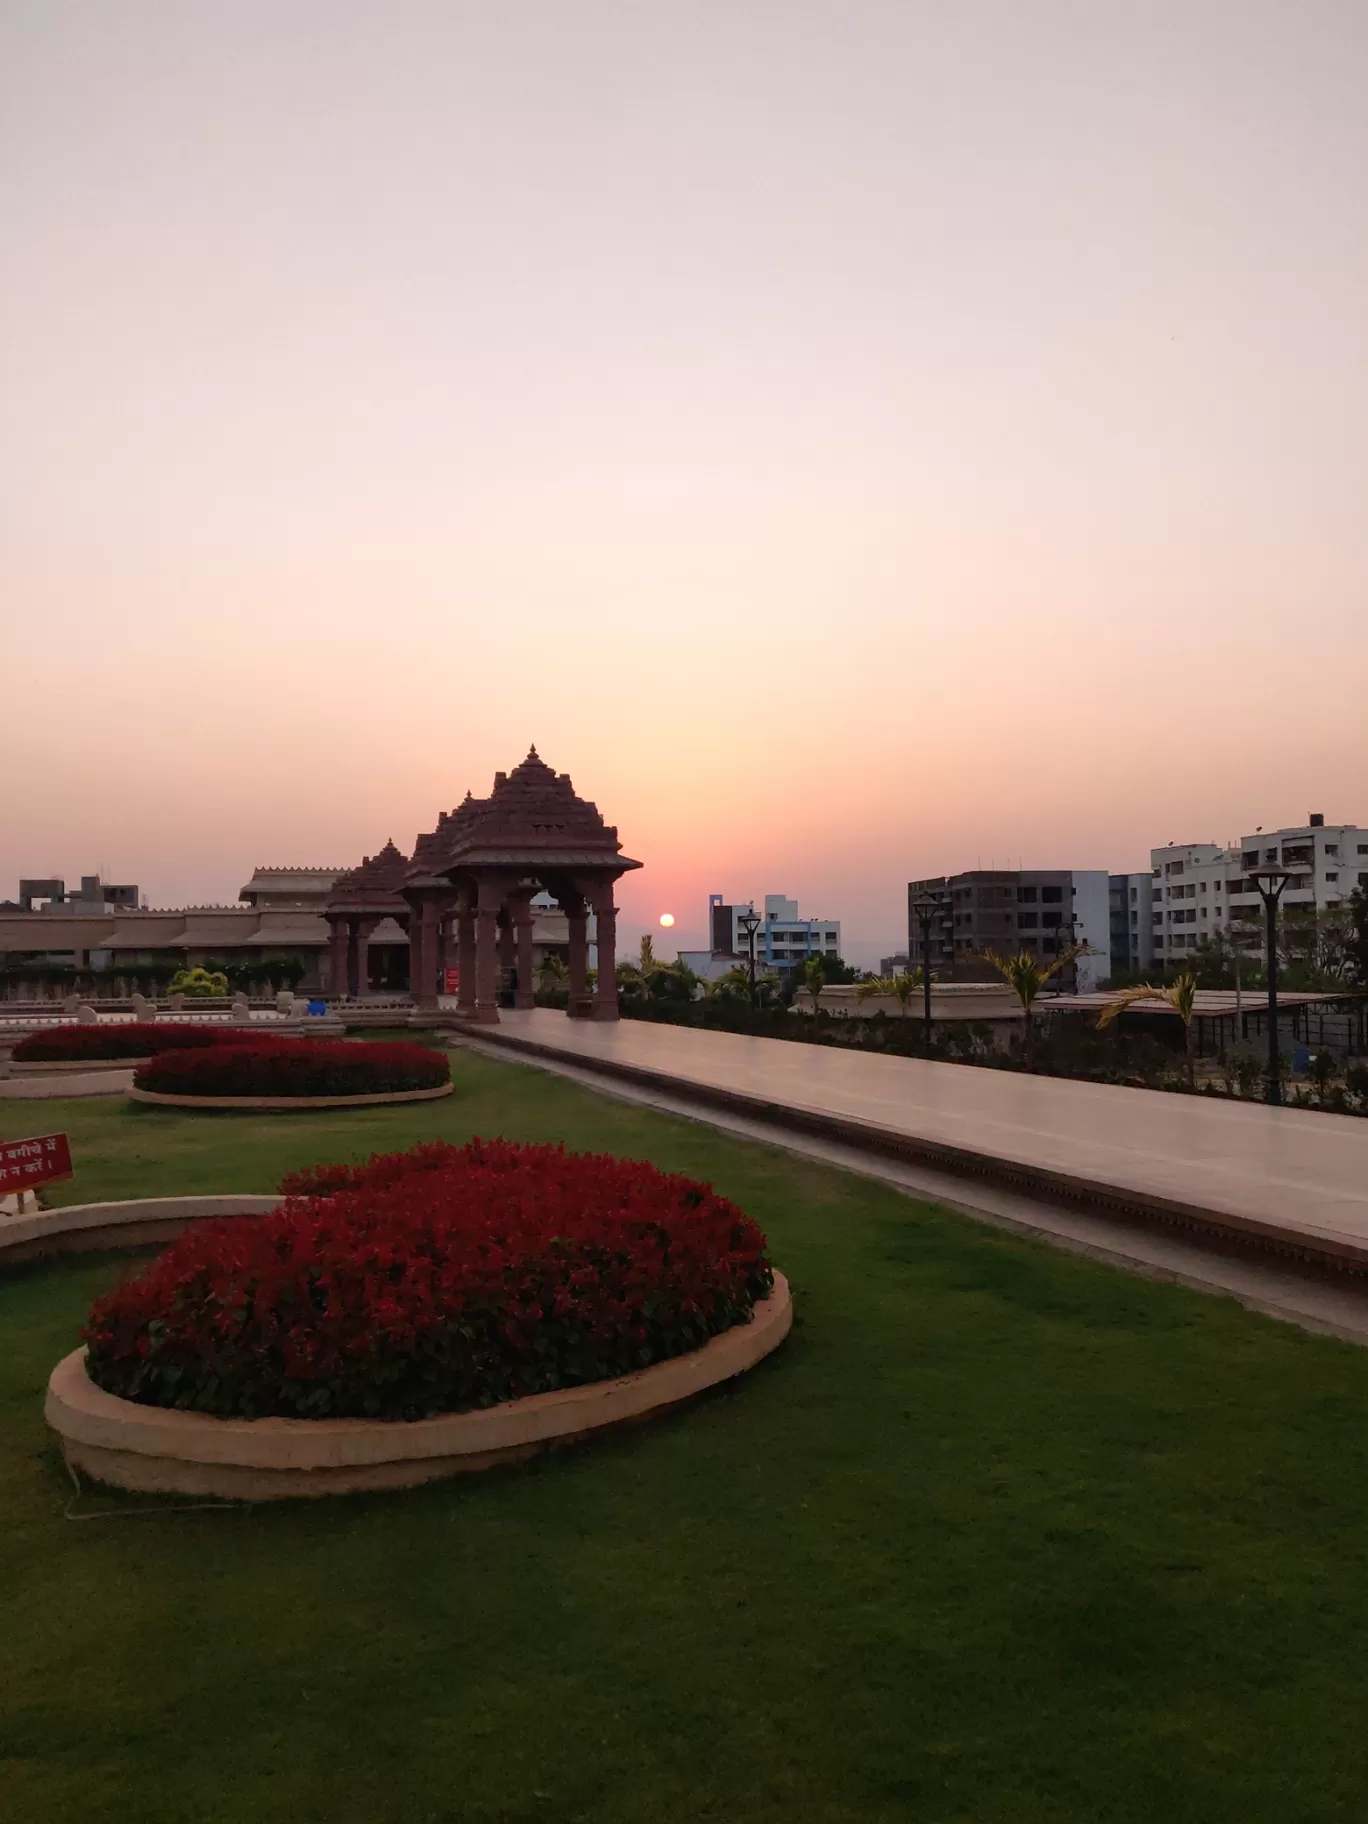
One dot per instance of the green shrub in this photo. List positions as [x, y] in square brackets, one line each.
[199, 984]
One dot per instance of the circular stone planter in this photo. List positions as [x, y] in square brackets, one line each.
[283, 1105]
[137, 1222]
[73, 1067]
[186, 1453]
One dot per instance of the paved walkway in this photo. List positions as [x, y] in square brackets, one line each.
[1333, 1305]
[1292, 1177]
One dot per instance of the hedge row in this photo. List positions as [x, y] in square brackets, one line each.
[60, 1044]
[490, 1273]
[269, 1066]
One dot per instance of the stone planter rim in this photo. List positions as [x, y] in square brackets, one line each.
[134, 1222]
[157, 1448]
[284, 1104]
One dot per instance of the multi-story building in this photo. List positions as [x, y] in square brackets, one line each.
[1038, 910]
[1132, 925]
[1202, 887]
[94, 898]
[782, 938]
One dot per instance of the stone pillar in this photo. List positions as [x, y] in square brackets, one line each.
[337, 957]
[450, 950]
[430, 923]
[350, 979]
[363, 936]
[524, 995]
[606, 992]
[488, 902]
[465, 957]
[422, 943]
[507, 951]
[579, 1005]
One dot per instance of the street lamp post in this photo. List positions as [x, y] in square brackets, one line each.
[1068, 937]
[1271, 882]
[749, 922]
[924, 909]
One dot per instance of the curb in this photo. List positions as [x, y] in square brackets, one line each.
[284, 1105]
[82, 1228]
[158, 1450]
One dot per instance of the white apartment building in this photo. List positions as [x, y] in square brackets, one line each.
[782, 938]
[1201, 887]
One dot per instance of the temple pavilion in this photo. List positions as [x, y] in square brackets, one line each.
[473, 890]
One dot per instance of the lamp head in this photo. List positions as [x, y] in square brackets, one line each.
[1271, 880]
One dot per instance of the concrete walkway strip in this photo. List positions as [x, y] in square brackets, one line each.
[1292, 1180]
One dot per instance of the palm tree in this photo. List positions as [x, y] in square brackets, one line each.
[735, 985]
[815, 977]
[636, 978]
[552, 970]
[1025, 977]
[1181, 996]
[900, 987]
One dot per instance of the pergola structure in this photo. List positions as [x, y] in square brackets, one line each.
[360, 900]
[482, 867]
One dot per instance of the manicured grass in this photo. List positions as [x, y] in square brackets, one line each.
[998, 1537]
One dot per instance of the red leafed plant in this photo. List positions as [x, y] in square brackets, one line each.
[486, 1274]
[374, 1174]
[278, 1066]
[128, 1039]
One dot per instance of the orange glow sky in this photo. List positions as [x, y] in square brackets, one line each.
[853, 440]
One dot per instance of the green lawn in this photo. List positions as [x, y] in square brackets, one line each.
[999, 1536]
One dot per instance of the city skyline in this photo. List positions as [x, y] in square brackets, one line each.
[853, 443]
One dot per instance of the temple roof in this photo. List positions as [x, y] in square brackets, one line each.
[374, 886]
[532, 817]
[301, 886]
[430, 851]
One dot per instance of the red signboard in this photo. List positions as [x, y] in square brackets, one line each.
[25, 1164]
[453, 981]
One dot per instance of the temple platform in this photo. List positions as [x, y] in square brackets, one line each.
[1290, 1181]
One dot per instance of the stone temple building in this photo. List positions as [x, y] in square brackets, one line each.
[498, 887]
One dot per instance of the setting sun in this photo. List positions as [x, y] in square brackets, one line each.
[667, 919]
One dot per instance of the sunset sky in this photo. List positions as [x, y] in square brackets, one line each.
[854, 440]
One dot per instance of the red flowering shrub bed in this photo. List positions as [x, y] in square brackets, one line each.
[495, 1272]
[377, 1173]
[60, 1044]
[278, 1066]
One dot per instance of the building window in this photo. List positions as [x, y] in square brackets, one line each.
[1204, 886]
[1330, 876]
[1028, 896]
[1028, 920]
[1052, 896]
[1051, 920]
